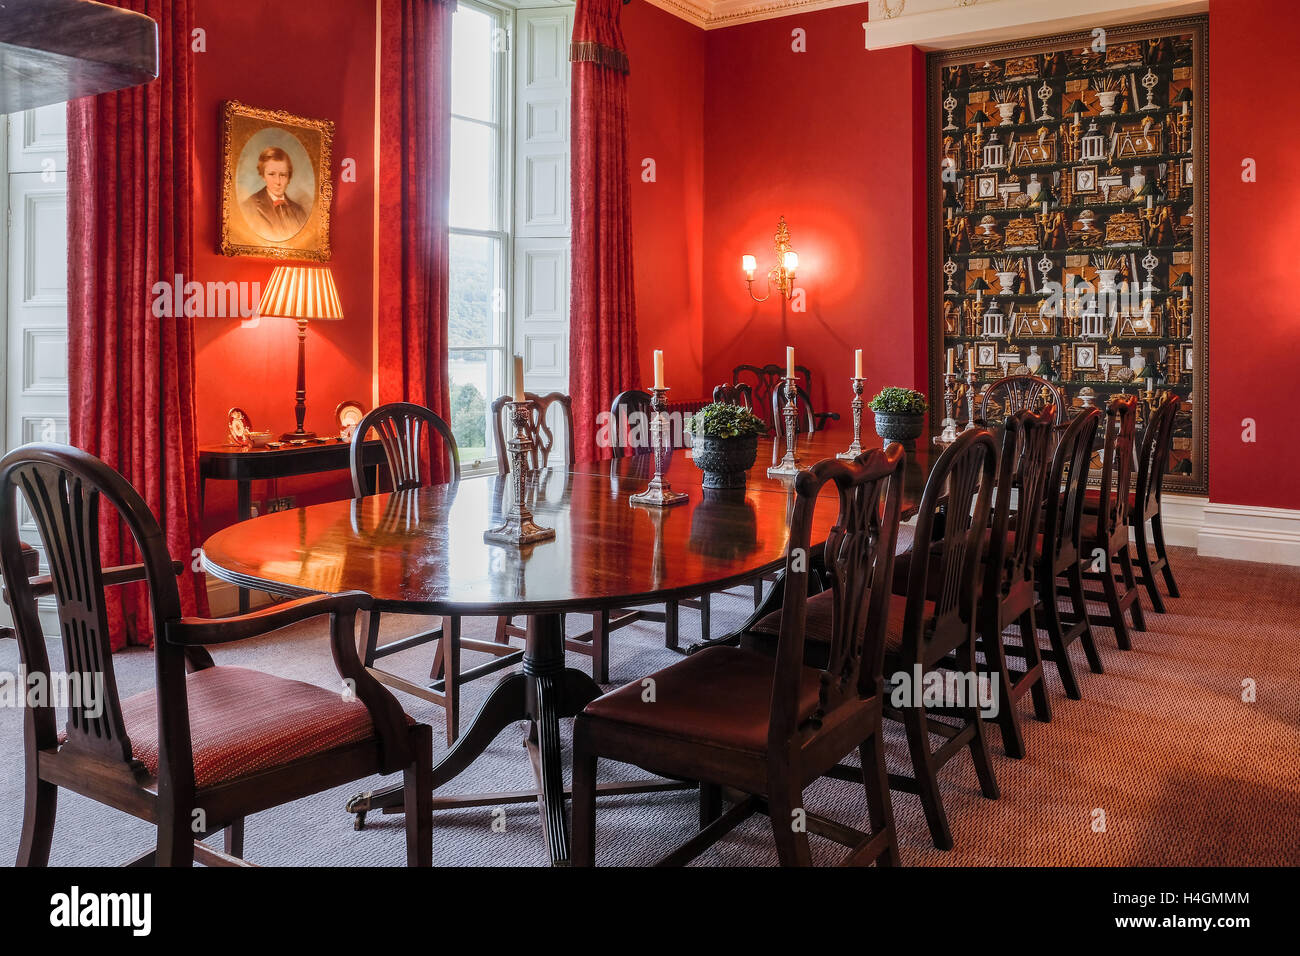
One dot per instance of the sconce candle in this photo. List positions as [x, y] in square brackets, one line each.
[749, 264]
[659, 368]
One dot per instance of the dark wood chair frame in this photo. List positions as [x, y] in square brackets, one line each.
[1007, 595]
[741, 394]
[637, 402]
[63, 488]
[1110, 544]
[407, 433]
[1024, 393]
[1153, 464]
[593, 643]
[858, 560]
[1061, 551]
[953, 521]
[766, 379]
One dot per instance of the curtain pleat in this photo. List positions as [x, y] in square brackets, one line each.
[602, 315]
[130, 374]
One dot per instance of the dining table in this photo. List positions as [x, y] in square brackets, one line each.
[422, 551]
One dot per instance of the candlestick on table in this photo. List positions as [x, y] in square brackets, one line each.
[949, 433]
[659, 493]
[789, 466]
[971, 379]
[519, 527]
[859, 383]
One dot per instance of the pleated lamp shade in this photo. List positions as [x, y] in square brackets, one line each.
[301, 292]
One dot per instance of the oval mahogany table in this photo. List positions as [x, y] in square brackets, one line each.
[422, 552]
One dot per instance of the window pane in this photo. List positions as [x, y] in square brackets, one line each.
[473, 175]
[472, 63]
[474, 313]
[475, 381]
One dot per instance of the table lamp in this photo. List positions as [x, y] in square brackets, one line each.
[301, 293]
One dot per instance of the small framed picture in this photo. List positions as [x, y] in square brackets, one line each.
[1186, 353]
[1083, 356]
[1084, 182]
[986, 355]
[1185, 171]
[986, 186]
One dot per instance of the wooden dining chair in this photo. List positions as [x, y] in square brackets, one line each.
[413, 438]
[739, 394]
[768, 726]
[1017, 393]
[633, 407]
[1144, 502]
[1008, 596]
[1060, 551]
[551, 413]
[1105, 531]
[209, 745]
[766, 379]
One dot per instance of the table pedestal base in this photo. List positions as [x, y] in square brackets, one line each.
[543, 693]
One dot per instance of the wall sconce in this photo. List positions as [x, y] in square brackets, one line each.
[782, 274]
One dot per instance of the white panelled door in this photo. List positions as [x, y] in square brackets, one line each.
[541, 248]
[34, 280]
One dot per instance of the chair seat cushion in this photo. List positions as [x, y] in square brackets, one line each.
[1092, 500]
[720, 696]
[244, 721]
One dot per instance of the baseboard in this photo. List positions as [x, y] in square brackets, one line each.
[1182, 517]
[1250, 533]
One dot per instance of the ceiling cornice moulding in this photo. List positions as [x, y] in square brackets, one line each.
[715, 14]
[940, 24]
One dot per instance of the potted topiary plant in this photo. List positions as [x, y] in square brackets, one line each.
[724, 443]
[900, 414]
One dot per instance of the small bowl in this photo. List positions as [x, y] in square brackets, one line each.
[259, 439]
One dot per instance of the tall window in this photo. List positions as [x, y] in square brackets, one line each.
[479, 334]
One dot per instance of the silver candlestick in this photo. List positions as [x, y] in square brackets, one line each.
[519, 527]
[971, 378]
[789, 466]
[659, 493]
[855, 449]
[949, 434]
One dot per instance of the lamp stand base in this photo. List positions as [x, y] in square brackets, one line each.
[297, 436]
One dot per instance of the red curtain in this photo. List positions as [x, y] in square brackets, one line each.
[131, 375]
[602, 324]
[414, 186]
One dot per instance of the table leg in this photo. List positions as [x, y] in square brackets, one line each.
[542, 693]
[244, 505]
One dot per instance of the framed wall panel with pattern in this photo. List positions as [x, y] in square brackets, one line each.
[1068, 207]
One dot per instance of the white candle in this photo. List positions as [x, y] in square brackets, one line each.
[519, 378]
[952, 358]
[970, 359]
[659, 368]
[857, 364]
[1151, 384]
[789, 361]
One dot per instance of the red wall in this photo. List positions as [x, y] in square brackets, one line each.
[1254, 321]
[666, 124]
[327, 71]
[833, 139]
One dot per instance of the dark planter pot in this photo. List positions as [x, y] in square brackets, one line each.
[724, 461]
[899, 428]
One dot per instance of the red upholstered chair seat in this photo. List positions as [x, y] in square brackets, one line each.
[1092, 500]
[720, 696]
[243, 721]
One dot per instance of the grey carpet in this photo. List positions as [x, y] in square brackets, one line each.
[1185, 771]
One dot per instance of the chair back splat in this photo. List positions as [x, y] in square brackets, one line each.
[540, 427]
[858, 565]
[1026, 454]
[1062, 520]
[1020, 393]
[952, 521]
[1153, 456]
[407, 433]
[1116, 470]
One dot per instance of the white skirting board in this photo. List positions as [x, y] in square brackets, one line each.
[1239, 532]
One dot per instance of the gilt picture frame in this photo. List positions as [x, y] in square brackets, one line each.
[277, 184]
